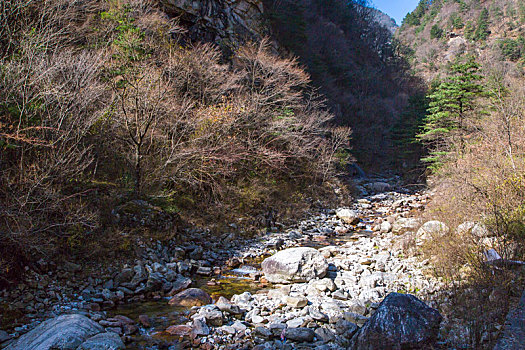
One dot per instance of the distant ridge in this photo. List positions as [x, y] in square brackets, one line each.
[384, 19]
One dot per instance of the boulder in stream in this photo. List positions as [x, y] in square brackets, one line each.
[295, 265]
[347, 215]
[191, 297]
[60, 333]
[401, 322]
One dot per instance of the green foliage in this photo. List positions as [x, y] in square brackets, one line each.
[129, 41]
[414, 18]
[456, 22]
[482, 28]
[469, 30]
[512, 49]
[407, 126]
[464, 6]
[521, 9]
[449, 103]
[436, 32]
[510, 11]
[496, 11]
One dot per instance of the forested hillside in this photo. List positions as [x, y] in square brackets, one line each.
[470, 123]
[103, 102]
[355, 63]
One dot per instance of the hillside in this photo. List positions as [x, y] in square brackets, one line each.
[469, 125]
[439, 31]
[385, 20]
[354, 64]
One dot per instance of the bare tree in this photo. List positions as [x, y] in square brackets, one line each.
[142, 104]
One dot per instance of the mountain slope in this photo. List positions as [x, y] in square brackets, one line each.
[439, 31]
[385, 20]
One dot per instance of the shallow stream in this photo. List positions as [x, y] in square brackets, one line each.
[238, 280]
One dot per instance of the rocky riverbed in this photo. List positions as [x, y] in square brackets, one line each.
[338, 279]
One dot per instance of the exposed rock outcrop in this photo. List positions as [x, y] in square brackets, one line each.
[227, 22]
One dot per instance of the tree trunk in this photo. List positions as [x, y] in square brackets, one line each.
[138, 169]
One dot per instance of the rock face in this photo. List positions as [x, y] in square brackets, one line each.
[191, 297]
[295, 265]
[219, 21]
[60, 333]
[401, 322]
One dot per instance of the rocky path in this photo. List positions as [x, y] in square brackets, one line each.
[321, 288]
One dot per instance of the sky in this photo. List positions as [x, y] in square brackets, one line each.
[396, 9]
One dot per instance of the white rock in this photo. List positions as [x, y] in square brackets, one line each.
[431, 229]
[295, 265]
[347, 215]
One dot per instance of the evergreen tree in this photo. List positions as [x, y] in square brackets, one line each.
[449, 105]
[436, 32]
[482, 29]
[414, 18]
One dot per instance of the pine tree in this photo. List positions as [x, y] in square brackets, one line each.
[482, 29]
[450, 103]
[436, 32]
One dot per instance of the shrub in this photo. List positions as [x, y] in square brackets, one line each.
[436, 32]
[97, 101]
[456, 22]
[511, 49]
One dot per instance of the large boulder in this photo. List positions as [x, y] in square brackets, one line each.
[191, 297]
[295, 265]
[401, 322]
[431, 229]
[474, 228]
[403, 225]
[347, 215]
[61, 333]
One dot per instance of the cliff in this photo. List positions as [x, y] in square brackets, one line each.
[228, 22]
